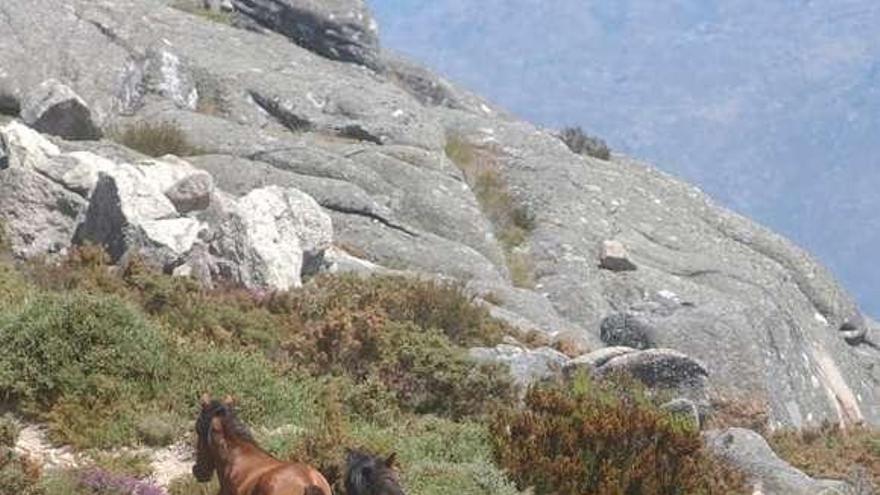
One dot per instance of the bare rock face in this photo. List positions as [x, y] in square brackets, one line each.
[53, 108]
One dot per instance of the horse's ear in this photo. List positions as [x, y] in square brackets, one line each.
[391, 460]
[229, 401]
[205, 401]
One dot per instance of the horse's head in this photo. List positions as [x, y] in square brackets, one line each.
[367, 474]
[211, 432]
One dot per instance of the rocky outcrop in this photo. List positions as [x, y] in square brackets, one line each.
[768, 474]
[338, 29]
[764, 318]
[165, 210]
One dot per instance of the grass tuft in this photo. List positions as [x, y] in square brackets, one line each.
[194, 8]
[512, 222]
[155, 139]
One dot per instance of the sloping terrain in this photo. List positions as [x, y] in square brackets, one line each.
[277, 155]
[762, 314]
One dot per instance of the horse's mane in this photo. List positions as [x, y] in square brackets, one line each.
[231, 424]
[366, 474]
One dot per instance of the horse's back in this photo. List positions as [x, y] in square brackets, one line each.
[295, 479]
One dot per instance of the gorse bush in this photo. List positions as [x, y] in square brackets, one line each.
[155, 139]
[583, 144]
[594, 439]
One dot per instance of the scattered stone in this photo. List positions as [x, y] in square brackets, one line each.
[53, 108]
[192, 193]
[614, 257]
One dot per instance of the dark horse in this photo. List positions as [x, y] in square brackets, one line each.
[226, 446]
[367, 474]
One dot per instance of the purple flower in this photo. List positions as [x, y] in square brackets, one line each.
[104, 483]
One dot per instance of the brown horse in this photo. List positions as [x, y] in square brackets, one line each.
[226, 446]
[367, 474]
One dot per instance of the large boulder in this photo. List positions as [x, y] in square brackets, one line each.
[129, 212]
[53, 108]
[337, 29]
[268, 238]
[38, 213]
[627, 330]
[768, 474]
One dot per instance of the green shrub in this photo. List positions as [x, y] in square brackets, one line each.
[155, 139]
[429, 375]
[263, 397]
[583, 144]
[79, 346]
[157, 430]
[594, 439]
[84, 362]
[438, 456]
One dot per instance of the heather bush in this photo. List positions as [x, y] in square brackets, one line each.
[831, 452]
[583, 144]
[594, 438]
[100, 482]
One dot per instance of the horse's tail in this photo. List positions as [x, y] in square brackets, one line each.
[314, 490]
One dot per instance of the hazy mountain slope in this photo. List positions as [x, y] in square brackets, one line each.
[772, 107]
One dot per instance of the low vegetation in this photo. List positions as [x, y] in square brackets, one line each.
[112, 357]
[583, 144]
[155, 139]
[604, 438]
[831, 452]
[512, 221]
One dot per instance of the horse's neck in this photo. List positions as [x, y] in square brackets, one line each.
[234, 470]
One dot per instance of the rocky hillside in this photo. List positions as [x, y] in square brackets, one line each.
[264, 102]
[285, 143]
